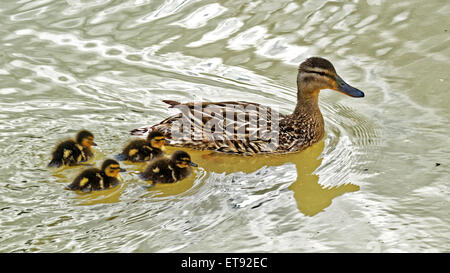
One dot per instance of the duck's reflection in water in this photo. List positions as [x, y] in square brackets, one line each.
[311, 197]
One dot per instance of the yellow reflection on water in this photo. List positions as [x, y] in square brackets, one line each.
[171, 189]
[104, 196]
[311, 197]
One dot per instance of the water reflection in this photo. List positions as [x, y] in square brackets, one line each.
[310, 195]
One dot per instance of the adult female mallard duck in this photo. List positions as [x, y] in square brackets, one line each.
[73, 152]
[250, 128]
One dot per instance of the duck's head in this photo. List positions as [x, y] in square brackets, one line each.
[317, 73]
[156, 139]
[85, 139]
[112, 168]
[182, 159]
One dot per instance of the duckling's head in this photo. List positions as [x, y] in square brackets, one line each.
[85, 139]
[112, 168]
[317, 73]
[156, 139]
[182, 159]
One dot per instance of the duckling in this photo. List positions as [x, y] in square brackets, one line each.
[143, 150]
[277, 133]
[73, 152]
[94, 179]
[165, 170]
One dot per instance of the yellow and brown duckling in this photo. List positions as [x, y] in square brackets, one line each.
[73, 152]
[291, 133]
[169, 170]
[144, 150]
[94, 179]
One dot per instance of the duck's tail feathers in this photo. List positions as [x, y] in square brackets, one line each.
[139, 131]
[120, 157]
[55, 163]
[143, 131]
[172, 103]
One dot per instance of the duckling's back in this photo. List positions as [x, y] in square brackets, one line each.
[92, 179]
[139, 150]
[159, 171]
[66, 153]
[88, 180]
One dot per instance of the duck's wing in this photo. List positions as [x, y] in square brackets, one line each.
[231, 127]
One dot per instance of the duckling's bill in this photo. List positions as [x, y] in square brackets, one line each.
[193, 164]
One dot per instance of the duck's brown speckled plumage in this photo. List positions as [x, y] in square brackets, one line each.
[300, 131]
[295, 132]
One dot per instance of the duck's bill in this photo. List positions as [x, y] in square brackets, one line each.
[94, 144]
[347, 89]
[122, 170]
[193, 164]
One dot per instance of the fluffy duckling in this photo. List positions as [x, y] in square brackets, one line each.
[94, 179]
[144, 150]
[165, 170]
[72, 152]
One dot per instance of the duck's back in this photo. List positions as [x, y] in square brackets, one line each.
[229, 127]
